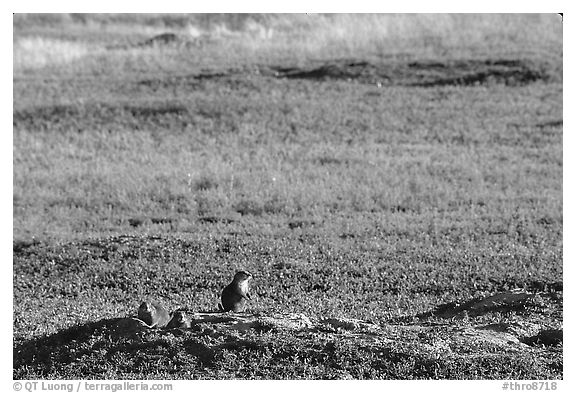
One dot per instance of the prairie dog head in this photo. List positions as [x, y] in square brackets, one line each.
[146, 307]
[242, 278]
[180, 317]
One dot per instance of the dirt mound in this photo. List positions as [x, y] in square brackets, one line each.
[432, 349]
[505, 301]
[162, 39]
[423, 73]
[508, 72]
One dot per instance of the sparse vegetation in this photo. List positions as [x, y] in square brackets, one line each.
[371, 166]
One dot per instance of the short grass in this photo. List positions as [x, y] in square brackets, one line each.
[344, 198]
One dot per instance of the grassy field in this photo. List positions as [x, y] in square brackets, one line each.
[368, 166]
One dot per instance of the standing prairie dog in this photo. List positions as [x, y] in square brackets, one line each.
[236, 293]
[153, 314]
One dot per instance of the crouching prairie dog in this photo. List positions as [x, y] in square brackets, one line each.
[153, 314]
[235, 294]
[179, 321]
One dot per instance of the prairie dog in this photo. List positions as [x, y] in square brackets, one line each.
[236, 293]
[153, 314]
[179, 320]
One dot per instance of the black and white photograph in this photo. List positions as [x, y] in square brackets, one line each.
[287, 196]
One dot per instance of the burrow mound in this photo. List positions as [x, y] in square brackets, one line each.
[167, 39]
[212, 336]
[425, 73]
[509, 72]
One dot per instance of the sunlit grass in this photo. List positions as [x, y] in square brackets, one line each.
[279, 37]
[38, 52]
[232, 157]
[423, 34]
